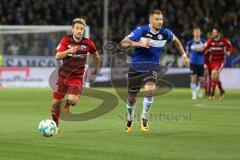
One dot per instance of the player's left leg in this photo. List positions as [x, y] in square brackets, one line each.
[199, 86]
[55, 108]
[219, 84]
[214, 77]
[71, 100]
[200, 75]
[74, 91]
[193, 71]
[149, 88]
[194, 86]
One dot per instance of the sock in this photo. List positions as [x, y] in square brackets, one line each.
[198, 85]
[194, 87]
[219, 84]
[56, 113]
[209, 84]
[130, 110]
[147, 103]
[213, 87]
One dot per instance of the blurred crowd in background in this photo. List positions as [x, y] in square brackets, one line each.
[124, 16]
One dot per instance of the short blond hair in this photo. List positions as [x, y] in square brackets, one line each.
[78, 20]
[155, 11]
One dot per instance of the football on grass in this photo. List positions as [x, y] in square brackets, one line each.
[47, 128]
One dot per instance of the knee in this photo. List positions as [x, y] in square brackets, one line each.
[72, 99]
[149, 93]
[149, 89]
[194, 79]
[132, 98]
[56, 102]
[214, 75]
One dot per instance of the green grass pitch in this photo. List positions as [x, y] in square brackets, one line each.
[181, 129]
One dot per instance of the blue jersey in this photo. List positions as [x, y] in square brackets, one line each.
[152, 54]
[195, 57]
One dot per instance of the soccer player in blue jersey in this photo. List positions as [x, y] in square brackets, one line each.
[195, 49]
[148, 41]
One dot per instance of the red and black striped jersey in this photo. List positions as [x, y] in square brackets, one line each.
[74, 64]
[217, 49]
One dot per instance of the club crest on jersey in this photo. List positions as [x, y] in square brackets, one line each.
[160, 36]
[82, 48]
[154, 73]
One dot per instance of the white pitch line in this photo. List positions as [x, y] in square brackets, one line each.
[202, 105]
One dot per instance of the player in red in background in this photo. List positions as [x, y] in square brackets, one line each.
[217, 47]
[73, 50]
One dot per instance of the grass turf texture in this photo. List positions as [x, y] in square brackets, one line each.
[213, 132]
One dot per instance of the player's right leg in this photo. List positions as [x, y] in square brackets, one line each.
[219, 84]
[55, 108]
[58, 96]
[193, 81]
[134, 85]
[131, 106]
[214, 76]
[200, 80]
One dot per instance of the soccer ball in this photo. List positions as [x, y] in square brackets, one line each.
[47, 128]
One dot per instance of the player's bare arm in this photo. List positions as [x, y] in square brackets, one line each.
[127, 42]
[62, 55]
[96, 62]
[179, 46]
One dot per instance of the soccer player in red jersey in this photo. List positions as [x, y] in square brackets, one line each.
[217, 47]
[73, 50]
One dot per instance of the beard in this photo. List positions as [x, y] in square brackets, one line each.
[216, 37]
[157, 27]
[77, 36]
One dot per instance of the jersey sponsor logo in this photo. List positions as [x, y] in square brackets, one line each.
[217, 48]
[157, 43]
[78, 55]
[154, 43]
[149, 35]
[196, 46]
[82, 48]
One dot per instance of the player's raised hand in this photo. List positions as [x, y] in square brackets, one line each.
[73, 49]
[185, 60]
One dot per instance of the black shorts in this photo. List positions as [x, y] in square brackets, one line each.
[137, 79]
[196, 69]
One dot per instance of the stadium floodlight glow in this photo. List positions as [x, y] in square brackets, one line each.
[23, 29]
